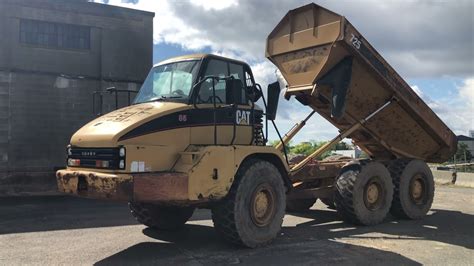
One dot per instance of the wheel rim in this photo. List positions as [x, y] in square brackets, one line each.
[418, 189]
[262, 205]
[374, 194]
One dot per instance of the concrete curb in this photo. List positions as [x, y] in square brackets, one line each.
[445, 177]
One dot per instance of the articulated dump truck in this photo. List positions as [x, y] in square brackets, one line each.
[195, 138]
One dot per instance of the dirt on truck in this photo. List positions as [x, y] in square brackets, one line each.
[194, 137]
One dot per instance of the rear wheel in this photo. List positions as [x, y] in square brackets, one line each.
[364, 194]
[252, 213]
[413, 188]
[299, 205]
[160, 217]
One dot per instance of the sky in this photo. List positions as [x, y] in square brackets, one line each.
[429, 43]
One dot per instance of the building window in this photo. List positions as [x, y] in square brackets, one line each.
[55, 35]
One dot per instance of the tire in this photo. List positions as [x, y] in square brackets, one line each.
[299, 205]
[160, 217]
[407, 175]
[364, 194]
[237, 217]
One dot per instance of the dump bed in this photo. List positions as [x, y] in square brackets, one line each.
[330, 67]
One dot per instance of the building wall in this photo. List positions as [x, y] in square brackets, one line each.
[46, 93]
[349, 153]
[121, 39]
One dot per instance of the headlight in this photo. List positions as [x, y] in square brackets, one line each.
[122, 164]
[73, 162]
[69, 151]
[122, 152]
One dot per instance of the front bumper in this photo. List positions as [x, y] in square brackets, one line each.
[165, 187]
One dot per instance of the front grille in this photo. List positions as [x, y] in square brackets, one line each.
[89, 156]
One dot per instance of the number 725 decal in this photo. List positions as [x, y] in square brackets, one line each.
[355, 41]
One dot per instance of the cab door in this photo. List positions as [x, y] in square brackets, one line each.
[225, 117]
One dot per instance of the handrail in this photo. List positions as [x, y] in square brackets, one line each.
[116, 91]
[109, 90]
[101, 101]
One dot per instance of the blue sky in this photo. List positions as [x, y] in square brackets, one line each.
[430, 44]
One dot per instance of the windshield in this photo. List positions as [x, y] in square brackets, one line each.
[170, 81]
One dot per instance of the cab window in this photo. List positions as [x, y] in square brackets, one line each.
[237, 71]
[168, 82]
[221, 69]
[214, 68]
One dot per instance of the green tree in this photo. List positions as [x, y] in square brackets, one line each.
[306, 148]
[303, 148]
[343, 146]
[463, 152]
[273, 142]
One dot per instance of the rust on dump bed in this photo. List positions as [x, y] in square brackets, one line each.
[330, 67]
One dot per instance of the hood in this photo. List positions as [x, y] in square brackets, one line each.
[105, 131]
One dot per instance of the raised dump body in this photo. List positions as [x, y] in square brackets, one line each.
[330, 67]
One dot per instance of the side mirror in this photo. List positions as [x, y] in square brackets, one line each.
[253, 93]
[273, 97]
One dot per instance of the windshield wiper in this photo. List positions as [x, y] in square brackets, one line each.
[162, 98]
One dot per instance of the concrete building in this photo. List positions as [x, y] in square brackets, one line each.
[53, 55]
[354, 153]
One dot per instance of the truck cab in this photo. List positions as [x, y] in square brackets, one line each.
[193, 137]
[191, 125]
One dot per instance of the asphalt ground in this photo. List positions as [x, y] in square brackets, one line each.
[74, 231]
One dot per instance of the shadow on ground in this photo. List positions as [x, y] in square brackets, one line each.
[313, 241]
[446, 226]
[309, 242]
[200, 245]
[47, 213]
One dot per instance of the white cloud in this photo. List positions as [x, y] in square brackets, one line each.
[420, 39]
[457, 111]
[417, 90]
[407, 33]
[466, 91]
[169, 27]
[214, 4]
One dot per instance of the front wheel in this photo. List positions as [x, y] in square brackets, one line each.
[252, 213]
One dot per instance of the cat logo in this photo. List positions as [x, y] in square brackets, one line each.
[242, 117]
